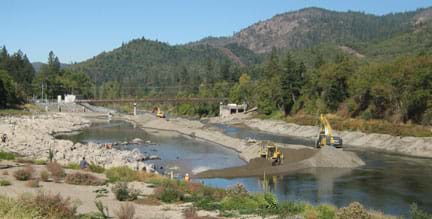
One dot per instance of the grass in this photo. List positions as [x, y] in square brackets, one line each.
[366, 126]
[72, 166]
[4, 182]
[6, 156]
[124, 174]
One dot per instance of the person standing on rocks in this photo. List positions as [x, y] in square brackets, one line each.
[84, 164]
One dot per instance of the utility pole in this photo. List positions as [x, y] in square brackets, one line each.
[42, 92]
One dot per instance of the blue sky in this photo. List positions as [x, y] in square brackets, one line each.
[80, 29]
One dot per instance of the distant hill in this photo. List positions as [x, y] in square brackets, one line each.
[306, 33]
[312, 26]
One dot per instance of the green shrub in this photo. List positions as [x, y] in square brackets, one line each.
[40, 162]
[327, 211]
[123, 193]
[4, 182]
[78, 178]
[96, 168]
[170, 191]
[6, 156]
[72, 166]
[24, 174]
[291, 208]
[417, 213]
[124, 174]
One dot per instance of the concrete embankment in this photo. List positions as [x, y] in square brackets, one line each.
[411, 146]
[32, 137]
[297, 157]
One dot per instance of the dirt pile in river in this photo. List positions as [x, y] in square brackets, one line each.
[294, 160]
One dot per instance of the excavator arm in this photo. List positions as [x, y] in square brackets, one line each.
[325, 136]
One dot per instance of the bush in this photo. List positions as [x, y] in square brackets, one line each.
[353, 211]
[24, 174]
[25, 161]
[44, 175]
[417, 213]
[124, 174]
[123, 193]
[4, 182]
[40, 162]
[56, 170]
[169, 191]
[126, 211]
[96, 168]
[72, 166]
[83, 179]
[6, 156]
[34, 183]
[49, 206]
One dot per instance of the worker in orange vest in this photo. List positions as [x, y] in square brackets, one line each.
[187, 178]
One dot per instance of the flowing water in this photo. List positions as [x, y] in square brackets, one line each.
[388, 183]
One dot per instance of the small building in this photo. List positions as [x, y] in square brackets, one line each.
[69, 98]
[231, 108]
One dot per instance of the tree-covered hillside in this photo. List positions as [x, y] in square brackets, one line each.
[144, 66]
[312, 26]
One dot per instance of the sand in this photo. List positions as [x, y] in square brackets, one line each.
[294, 160]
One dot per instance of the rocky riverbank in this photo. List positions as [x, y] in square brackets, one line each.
[411, 146]
[32, 137]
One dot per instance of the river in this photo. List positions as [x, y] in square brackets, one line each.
[388, 183]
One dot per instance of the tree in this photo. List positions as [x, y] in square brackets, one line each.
[291, 82]
[8, 95]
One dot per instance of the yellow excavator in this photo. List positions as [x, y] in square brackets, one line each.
[159, 113]
[270, 151]
[325, 136]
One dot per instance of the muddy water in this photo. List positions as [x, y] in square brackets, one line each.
[387, 183]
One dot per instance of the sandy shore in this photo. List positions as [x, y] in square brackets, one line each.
[411, 146]
[32, 137]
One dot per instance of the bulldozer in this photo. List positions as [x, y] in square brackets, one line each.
[270, 151]
[325, 136]
[159, 113]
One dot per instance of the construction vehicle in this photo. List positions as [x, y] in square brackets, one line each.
[270, 151]
[325, 136]
[159, 113]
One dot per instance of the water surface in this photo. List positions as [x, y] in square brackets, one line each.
[388, 183]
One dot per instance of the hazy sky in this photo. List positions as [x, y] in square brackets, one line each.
[80, 29]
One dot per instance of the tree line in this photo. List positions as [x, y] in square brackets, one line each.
[19, 81]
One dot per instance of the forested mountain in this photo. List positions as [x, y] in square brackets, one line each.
[312, 26]
[152, 65]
